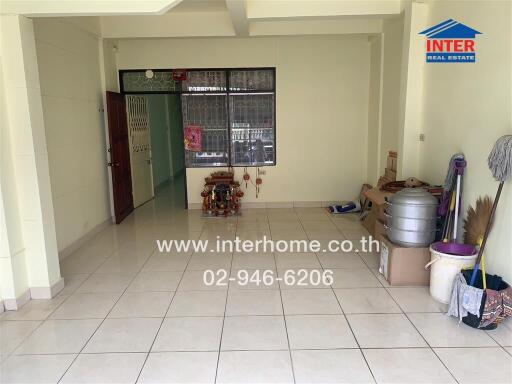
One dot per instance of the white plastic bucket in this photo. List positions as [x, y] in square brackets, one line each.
[443, 268]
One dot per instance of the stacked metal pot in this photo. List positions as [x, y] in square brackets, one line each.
[411, 217]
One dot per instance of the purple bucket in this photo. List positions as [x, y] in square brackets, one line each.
[454, 248]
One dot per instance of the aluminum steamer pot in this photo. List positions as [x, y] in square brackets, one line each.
[411, 217]
[419, 225]
[410, 238]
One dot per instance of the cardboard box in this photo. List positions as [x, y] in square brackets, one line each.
[379, 229]
[403, 266]
[378, 199]
[392, 160]
[374, 222]
[369, 222]
[390, 174]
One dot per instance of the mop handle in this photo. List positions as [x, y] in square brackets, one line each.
[486, 233]
[459, 170]
[456, 215]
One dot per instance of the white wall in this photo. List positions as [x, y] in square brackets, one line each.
[374, 110]
[393, 33]
[108, 48]
[467, 107]
[68, 57]
[29, 250]
[322, 107]
[13, 275]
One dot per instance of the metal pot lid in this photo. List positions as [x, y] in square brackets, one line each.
[413, 196]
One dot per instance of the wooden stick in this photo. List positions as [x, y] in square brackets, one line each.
[489, 223]
[486, 234]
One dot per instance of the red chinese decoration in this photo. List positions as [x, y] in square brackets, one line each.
[179, 74]
[221, 194]
[193, 138]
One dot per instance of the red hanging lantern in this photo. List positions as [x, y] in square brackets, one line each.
[247, 177]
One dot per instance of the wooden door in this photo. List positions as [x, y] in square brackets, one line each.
[140, 149]
[119, 155]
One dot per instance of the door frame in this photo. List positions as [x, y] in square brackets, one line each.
[163, 93]
[111, 165]
[108, 156]
[150, 151]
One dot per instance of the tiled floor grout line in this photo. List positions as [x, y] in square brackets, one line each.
[423, 337]
[349, 326]
[52, 311]
[110, 310]
[224, 317]
[260, 350]
[284, 318]
[405, 314]
[414, 326]
[165, 314]
[146, 223]
[496, 341]
[354, 336]
[36, 328]
[432, 349]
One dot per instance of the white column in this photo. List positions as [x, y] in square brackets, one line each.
[31, 219]
[411, 89]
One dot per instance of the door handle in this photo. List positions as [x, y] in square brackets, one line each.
[111, 164]
[149, 161]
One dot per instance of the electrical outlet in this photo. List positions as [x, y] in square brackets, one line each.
[422, 137]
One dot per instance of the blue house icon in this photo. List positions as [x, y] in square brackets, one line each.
[450, 29]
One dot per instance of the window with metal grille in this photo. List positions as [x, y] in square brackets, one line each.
[244, 102]
[228, 114]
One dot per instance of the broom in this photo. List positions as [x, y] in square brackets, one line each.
[500, 164]
[475, 224]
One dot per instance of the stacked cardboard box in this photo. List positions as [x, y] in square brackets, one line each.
[378, 199]
[390, 171]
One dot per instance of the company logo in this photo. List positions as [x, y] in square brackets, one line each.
[450, 42]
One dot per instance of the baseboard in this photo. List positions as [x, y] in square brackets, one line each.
[279, 204]
[254, 205]
[15, 304]
[34, 293]
[275, 204]
[82, 240]
[47, 292]
[307, 204]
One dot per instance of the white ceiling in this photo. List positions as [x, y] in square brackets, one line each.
[200, 6]
[215, 18]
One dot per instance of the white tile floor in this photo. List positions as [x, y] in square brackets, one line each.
[130, 314]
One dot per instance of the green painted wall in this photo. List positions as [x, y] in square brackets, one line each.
[176, 134]
[159, 139]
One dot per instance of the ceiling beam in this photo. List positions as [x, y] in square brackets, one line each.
[172, 24]
[290, 9]
[238, 13]
[47, 8]
[316, 27]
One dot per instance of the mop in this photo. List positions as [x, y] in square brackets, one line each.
[500, 164]
[450, 200]
[449, 182]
